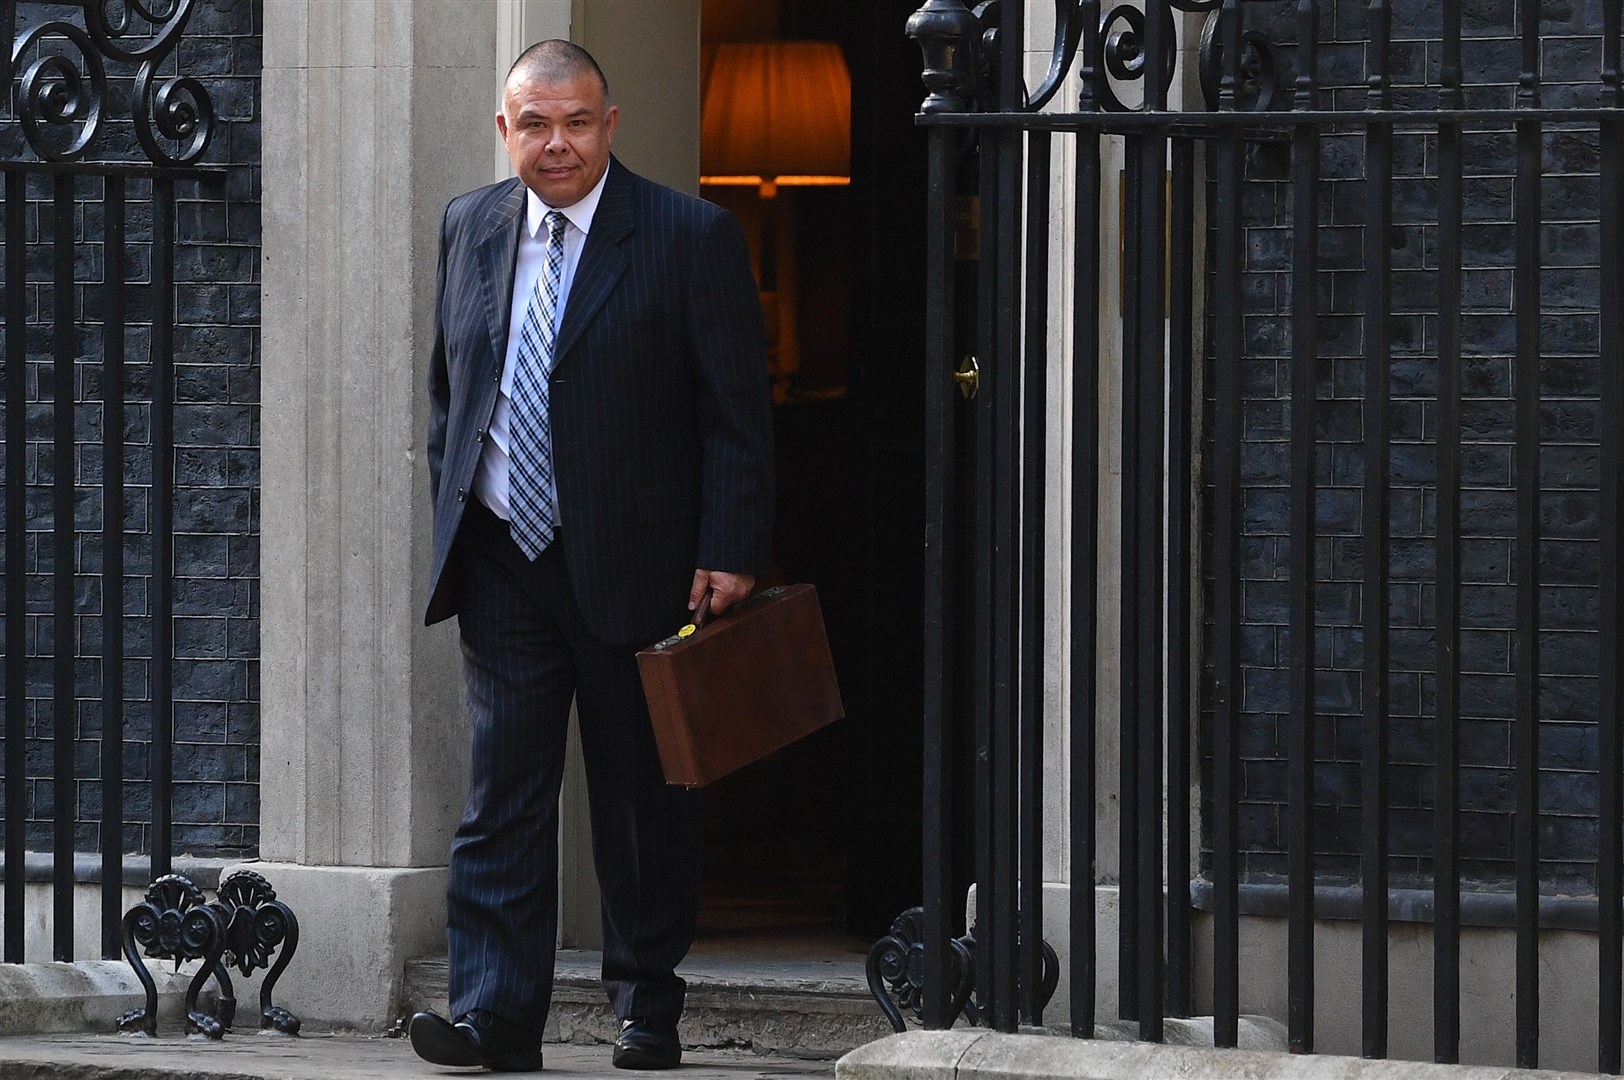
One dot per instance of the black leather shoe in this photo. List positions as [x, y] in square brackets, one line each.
[644, 1044]
[477, 1038]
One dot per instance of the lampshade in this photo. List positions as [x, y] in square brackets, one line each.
[776, 112]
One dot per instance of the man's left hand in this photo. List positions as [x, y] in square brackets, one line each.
[726, 589]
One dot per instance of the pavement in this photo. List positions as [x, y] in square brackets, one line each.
[337, 1056]
[961, 1054]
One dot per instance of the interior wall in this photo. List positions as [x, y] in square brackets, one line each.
[650, 52]
[740, 20]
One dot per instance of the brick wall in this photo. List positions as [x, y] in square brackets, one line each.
[1571, 61]
[216, 589]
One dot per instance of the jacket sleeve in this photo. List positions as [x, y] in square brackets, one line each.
[439, 377]
[727, 344]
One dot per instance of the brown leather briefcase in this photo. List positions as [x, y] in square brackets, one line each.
[741, 685]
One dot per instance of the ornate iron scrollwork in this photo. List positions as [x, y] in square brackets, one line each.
[174, 924]
[62, 94]
[242, 928]
[896, 972]
[896, 969]
[1257, 80]
[961, 55]
[256, 924]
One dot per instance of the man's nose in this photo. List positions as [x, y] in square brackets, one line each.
[555, 141]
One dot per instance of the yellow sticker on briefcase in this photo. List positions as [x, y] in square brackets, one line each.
[687, 630]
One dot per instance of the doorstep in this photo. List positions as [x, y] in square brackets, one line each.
[814, 1007]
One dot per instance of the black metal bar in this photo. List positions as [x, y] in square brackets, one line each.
[1610, 713]
[63, 725]
[1446, 730]
[1034, 405]
[1085, 574]
[16, 559]
[8, 34]
[1305, 361]
[112, 168]
[982, 562]
[1226, 528]
[1150, 598]
[1275, 122]
[1129, 908]
[1000, 943]
[1180, 572]
[1525, 639]
[1085, 479]
[163, 518]
[112, 741]
[938, 591]
[1609, 894]
[1378, 447]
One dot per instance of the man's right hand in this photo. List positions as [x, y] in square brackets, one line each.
[726, 589]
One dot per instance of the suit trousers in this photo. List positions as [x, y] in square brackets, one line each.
[526, 654]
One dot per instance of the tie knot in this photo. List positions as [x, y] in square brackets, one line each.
[555, 220]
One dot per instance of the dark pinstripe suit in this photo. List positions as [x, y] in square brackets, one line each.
[662, 449]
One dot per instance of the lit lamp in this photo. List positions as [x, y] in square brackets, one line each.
[775, 114]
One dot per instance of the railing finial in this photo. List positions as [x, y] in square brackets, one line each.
[948, 34]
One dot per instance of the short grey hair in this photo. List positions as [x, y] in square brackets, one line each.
[557, 61]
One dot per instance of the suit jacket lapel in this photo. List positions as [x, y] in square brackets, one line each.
[603, 260]
[495, 254]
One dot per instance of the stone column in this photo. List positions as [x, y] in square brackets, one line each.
[377, 112]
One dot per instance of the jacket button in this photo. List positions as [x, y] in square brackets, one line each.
[461, 495]
[479, 436]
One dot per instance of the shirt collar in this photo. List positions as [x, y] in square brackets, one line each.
[580, 215]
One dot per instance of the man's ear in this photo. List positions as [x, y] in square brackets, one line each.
[610, 121]
[501, 125]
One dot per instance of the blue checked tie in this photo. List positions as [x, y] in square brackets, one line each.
[532, 490]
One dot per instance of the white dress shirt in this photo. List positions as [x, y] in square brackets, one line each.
[491, 477]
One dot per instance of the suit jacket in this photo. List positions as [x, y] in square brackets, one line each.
[660, 409]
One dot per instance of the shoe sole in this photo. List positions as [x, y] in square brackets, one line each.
[643, 1060]
[521, 1061]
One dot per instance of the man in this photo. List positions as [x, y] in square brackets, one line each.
[599, 452]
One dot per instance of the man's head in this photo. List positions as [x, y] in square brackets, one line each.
[557, 122]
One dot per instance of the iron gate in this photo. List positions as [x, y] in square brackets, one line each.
[86, 286]
[1278, 109]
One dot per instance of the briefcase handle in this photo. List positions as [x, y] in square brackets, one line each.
[702, 613]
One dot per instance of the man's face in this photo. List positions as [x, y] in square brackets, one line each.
[557, 135]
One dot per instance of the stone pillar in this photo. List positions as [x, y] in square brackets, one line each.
[377, 112]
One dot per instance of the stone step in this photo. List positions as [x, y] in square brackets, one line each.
[811, 1007]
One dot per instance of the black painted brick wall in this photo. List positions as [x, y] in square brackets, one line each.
[216, 589]
[1571, 60]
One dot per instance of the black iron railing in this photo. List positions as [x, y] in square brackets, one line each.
[1180, 317]
[62, 106]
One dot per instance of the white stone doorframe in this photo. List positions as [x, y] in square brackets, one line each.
[378, 112]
